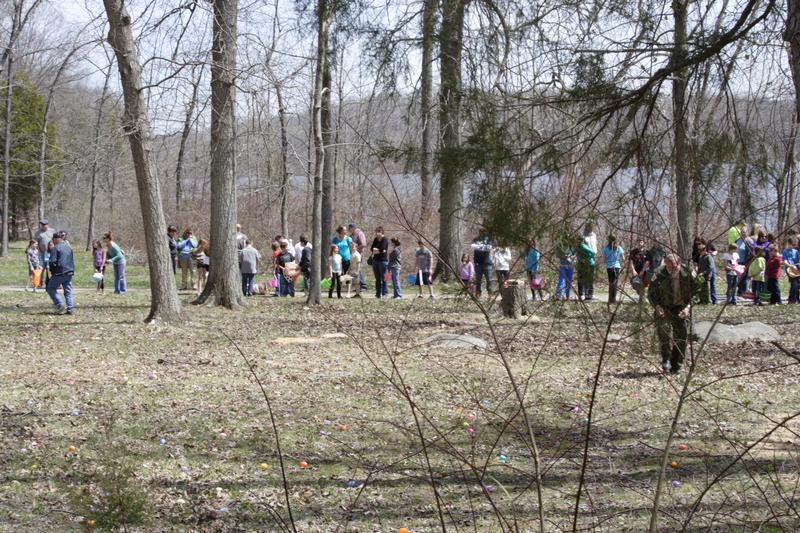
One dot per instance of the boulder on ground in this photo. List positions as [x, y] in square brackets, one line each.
[733, 333]
[452, 340]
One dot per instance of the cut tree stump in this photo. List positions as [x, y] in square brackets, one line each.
[514, 299]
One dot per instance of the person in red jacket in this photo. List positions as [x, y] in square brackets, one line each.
[773, 272]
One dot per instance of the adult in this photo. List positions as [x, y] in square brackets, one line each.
[745, 247]
[361, 244]
[305, 262]
[62, 268]
[532, 258]
[734, 232]
[116, 257]
[248, 266]
[380, 262]
[342, 241]
[241, 238]
[43, 237]
[285, 264]
[424, 258]
[639, 263]
[172, 242]
[482, 248]
[590, 238]
[186, 245]
[614, 258]
[670, 293]
[585, 260]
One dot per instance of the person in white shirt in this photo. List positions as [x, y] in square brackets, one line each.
[590, 238]
[355, 269]
[502, 265]
[732, 270]
[335, 269]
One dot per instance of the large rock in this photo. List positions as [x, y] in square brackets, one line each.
[732, 333]
[451, 340]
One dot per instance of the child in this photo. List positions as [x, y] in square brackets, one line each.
[790, 259]
[355, 268]
[395, 264]
[466, 272]
[335, 268]
[773, 275]
[566, 260]
[99, 255]
[502, 265]
[424, 262]
[732, 267]
[709, 271]
[532, 268]
[286, 268]
[34, 265]
[613, 254]
[756, 271]
[203, 261]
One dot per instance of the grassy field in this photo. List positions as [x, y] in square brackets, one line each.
[108, 420]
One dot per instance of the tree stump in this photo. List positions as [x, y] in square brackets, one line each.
[514, 299]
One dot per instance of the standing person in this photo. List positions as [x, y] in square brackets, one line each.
[585, 260]
[361, 244]
[249, 258]
[670, 293]
[285, 262]
[343, 240]
[380, 262]
[395, 264]
[590, 238]
[276, 276]
[532, 259]
[43, 237]
[745, 247]
[305, 262]
[790, 258]
[186, 245]
[99, 259]
[773, 271]
[757, 269]
[502, 264]
[298, 250]
[335, 271]
[696, 244]
[203, 262]
[355, 269]
[172, 242]
[732, 271]
[708, 269]
[62, 268]
[482, 248]
[424, 259]
[34, 266]
[734, 232]
[566, 260]
[639, 262]
[116, 257]
[466, 272]
[241, 238]
[614, 256]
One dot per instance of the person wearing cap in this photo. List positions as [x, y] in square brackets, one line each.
[43, 236]
[62, 268]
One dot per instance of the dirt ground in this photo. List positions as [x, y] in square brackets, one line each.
[110, 423]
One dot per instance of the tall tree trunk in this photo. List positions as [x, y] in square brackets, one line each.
[314, 295]
[683, 183]
[425, 100]
[164, 302]
[787, 182]
[98, 124]
[327, 167]
[7, 152]
[187, 130]
[224, 281]
[791, 35]
[284, 162]
[451, 194]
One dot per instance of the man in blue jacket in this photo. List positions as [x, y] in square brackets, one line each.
[62, 268]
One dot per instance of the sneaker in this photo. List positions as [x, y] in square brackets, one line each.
[419, 297]
[69, 312]
[430, 297]
[666, 367]
[674, 370]
[60, 310]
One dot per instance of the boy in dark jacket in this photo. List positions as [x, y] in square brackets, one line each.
[62, 268]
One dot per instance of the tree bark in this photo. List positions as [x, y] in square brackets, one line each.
[425, 100]
[224, 281]
[683, 183]
[187, 130]
[314, 295]
[451, 194]
[95, 160]
[7, 152]
[284, 162]
[164, 302]
[327, 167]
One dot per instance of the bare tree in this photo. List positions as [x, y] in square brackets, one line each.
[98, 126]
[223, 282]
[197, 74]
[425, 100]
[164, 302]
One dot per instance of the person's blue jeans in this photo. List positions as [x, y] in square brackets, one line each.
[379, 269]
[483, 270]
[758, 286]
[794, 290]
[120, 285]
[774, 291]
[247, 283]
[733, 281]
[743, 283]
[564, 281]
[64, 281]
[396, 282]
[712, 287]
